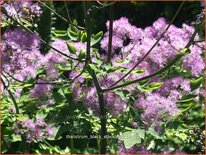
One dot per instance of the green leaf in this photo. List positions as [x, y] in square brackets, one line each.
[15, 138]
[151, 145]
[133, 137]
[60, 33]
[141, 133]
[96, 38]
[139, 71]
[152, 132]
[63, 67]
[84, 37]
[71, 48]
[82, 54]
[196, 83]
[183, 51]
[72, 35]
[143, 82]
[41, 113]
[124, 61]
[130, 138]
[27, 85]
[114, 70]
[108, 66]
[94, 67]
[150, 86]
[188, 98]
[181, 135]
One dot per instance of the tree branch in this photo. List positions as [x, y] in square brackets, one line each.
[23, 82]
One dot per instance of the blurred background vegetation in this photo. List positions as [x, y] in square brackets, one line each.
[141, 14]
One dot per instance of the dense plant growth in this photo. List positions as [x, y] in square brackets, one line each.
[127, 90]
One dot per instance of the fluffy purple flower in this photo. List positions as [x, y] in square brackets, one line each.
[124, 34]
[25, 10]
[61, 45]
[160, 24]
[117, 42]
[112, 102]
[170, 152]
[123, 28]
[79, 46]
[42, 93]
[40, 90]
[155, 106]
[36, 9]
[40, 122]
[33, 130]
[150, 32]
[38, 134]
[50, 131]
[21, 55]
[29, 124]
[50, 102]
[79, 91]
[194, 62]
[174, 88]
[129, 45]
[19, 40]
[109, 79]
[53, 57]
[140, 41]
[74, 74]
[91, 99]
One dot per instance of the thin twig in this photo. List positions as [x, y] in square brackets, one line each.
[23, 82]
[67, 10]
[105, 5]
[197, 41]
[203, 48]
[12, 97]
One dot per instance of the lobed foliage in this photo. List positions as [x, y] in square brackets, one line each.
[59, 87]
